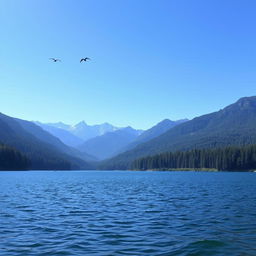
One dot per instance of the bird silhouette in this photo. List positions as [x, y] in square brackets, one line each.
[84, 59]
[54, 60]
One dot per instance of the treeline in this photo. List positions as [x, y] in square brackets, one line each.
[12, 159]
[226, 159]
[44, 163]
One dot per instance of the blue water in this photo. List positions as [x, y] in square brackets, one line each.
[127, 213]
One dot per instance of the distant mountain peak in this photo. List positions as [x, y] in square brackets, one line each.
[127, 128]
[153, 132]
[106, 123]
[80, 125]
[245, 103]
[60, 123]
[110, 142]
[169, 121]
[85, 131]
[166, 120]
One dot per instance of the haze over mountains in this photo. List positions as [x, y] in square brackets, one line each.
[82, 130]
[110, 143]
[62, 146]
[101, 140]
[106, 139]
[64, 135]
[153, 132]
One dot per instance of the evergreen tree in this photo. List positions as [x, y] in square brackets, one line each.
[227, 159]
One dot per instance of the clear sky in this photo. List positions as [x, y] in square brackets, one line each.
[150, 59]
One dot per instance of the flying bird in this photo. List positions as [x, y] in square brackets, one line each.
[84, 59]
[54, 60]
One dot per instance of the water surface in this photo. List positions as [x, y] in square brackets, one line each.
[127, 213]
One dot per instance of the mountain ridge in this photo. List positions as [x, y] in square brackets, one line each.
[82, 130]
[18, 134]
[154, 131]
[233, 125]
[110, 143]
[65, 136]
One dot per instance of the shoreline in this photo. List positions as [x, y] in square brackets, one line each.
[192, 170]
[136, 170]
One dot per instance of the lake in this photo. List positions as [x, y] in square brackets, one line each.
[127, 213]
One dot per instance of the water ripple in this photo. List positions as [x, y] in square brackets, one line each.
[127, 213]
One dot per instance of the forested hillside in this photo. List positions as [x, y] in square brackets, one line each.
[233, 125]
[12, 159]
[226, 159]
[42, 150]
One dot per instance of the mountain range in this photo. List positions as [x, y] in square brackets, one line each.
[61, 146]
[233, 125]
[64, 135]
[154, 132]
[43, 150]
[81, 131]
[108, 140]
[111, 143]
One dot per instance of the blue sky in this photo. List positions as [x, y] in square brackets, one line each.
[150, 59]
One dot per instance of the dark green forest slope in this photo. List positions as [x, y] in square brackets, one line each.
[45, 136]
[41, 154]
[12, 159]
[233, 125]
[226, 159]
